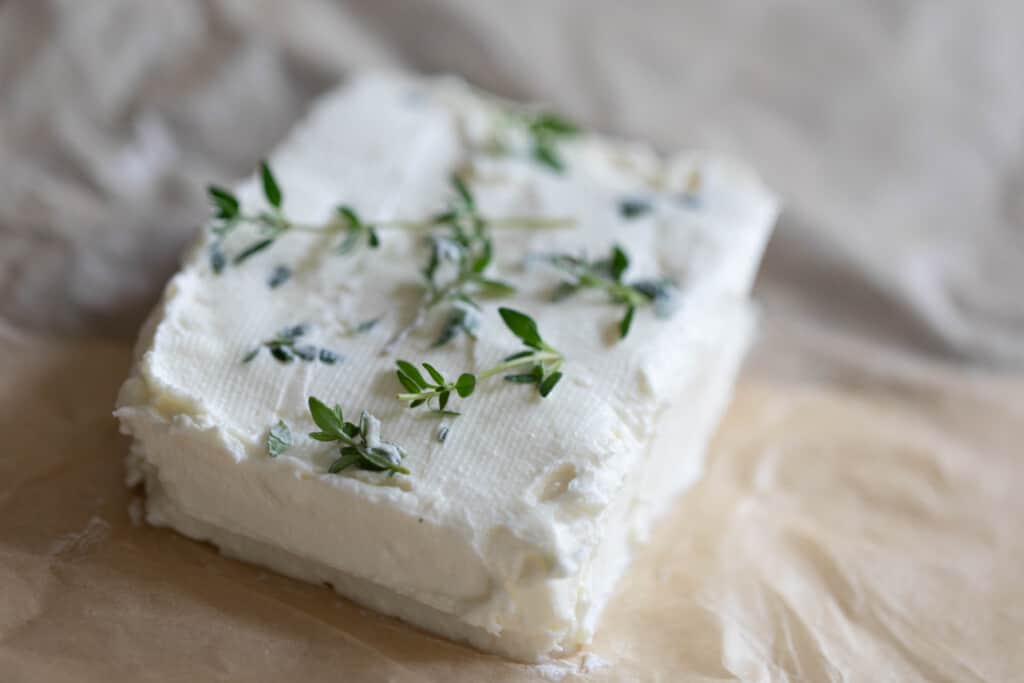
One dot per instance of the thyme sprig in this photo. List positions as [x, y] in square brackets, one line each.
[456, 269]
[608, 274]
[359, 444]
[355, 231]
[635, 207]
[539, 364]
[284, 347]
[466, 244]
[423, 391]
[544, 132]
[272, 224]
[543, 362]
[229, 216]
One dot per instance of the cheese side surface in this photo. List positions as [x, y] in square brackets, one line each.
[511, 531]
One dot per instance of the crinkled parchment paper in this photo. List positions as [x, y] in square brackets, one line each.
[839, 535]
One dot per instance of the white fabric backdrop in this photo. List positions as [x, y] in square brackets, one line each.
[893, 129]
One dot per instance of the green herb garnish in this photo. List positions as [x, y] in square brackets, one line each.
[544, 131]
[539, 364]
[355, 231]
[229, 216]
[456, 270]
[273, 224]
[279, 440]
[328, 356]
[543, 360]
[285, 348]
[608, 275]
[466, 244]
[423, 391]
[634, 207]
[366, 325]
[359, 445]
[280, 275]
[464, 319]
[271, 190]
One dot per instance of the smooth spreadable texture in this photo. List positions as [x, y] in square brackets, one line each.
[511, 533]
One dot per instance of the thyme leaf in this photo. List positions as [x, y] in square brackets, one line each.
[279, 439]
[546, 131]
[284, 347]
[359, 444]
[634, 207]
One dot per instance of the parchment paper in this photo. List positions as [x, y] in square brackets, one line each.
[862, 517]
[840, 535]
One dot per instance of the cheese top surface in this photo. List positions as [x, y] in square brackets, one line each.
[520, 486]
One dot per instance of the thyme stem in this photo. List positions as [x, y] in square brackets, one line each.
[532, 359]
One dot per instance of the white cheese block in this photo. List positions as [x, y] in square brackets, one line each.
[511, 534]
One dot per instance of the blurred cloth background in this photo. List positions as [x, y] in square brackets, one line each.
[894, 131]
[861, 516]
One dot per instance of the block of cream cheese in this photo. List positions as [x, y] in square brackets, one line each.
[510, 533]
